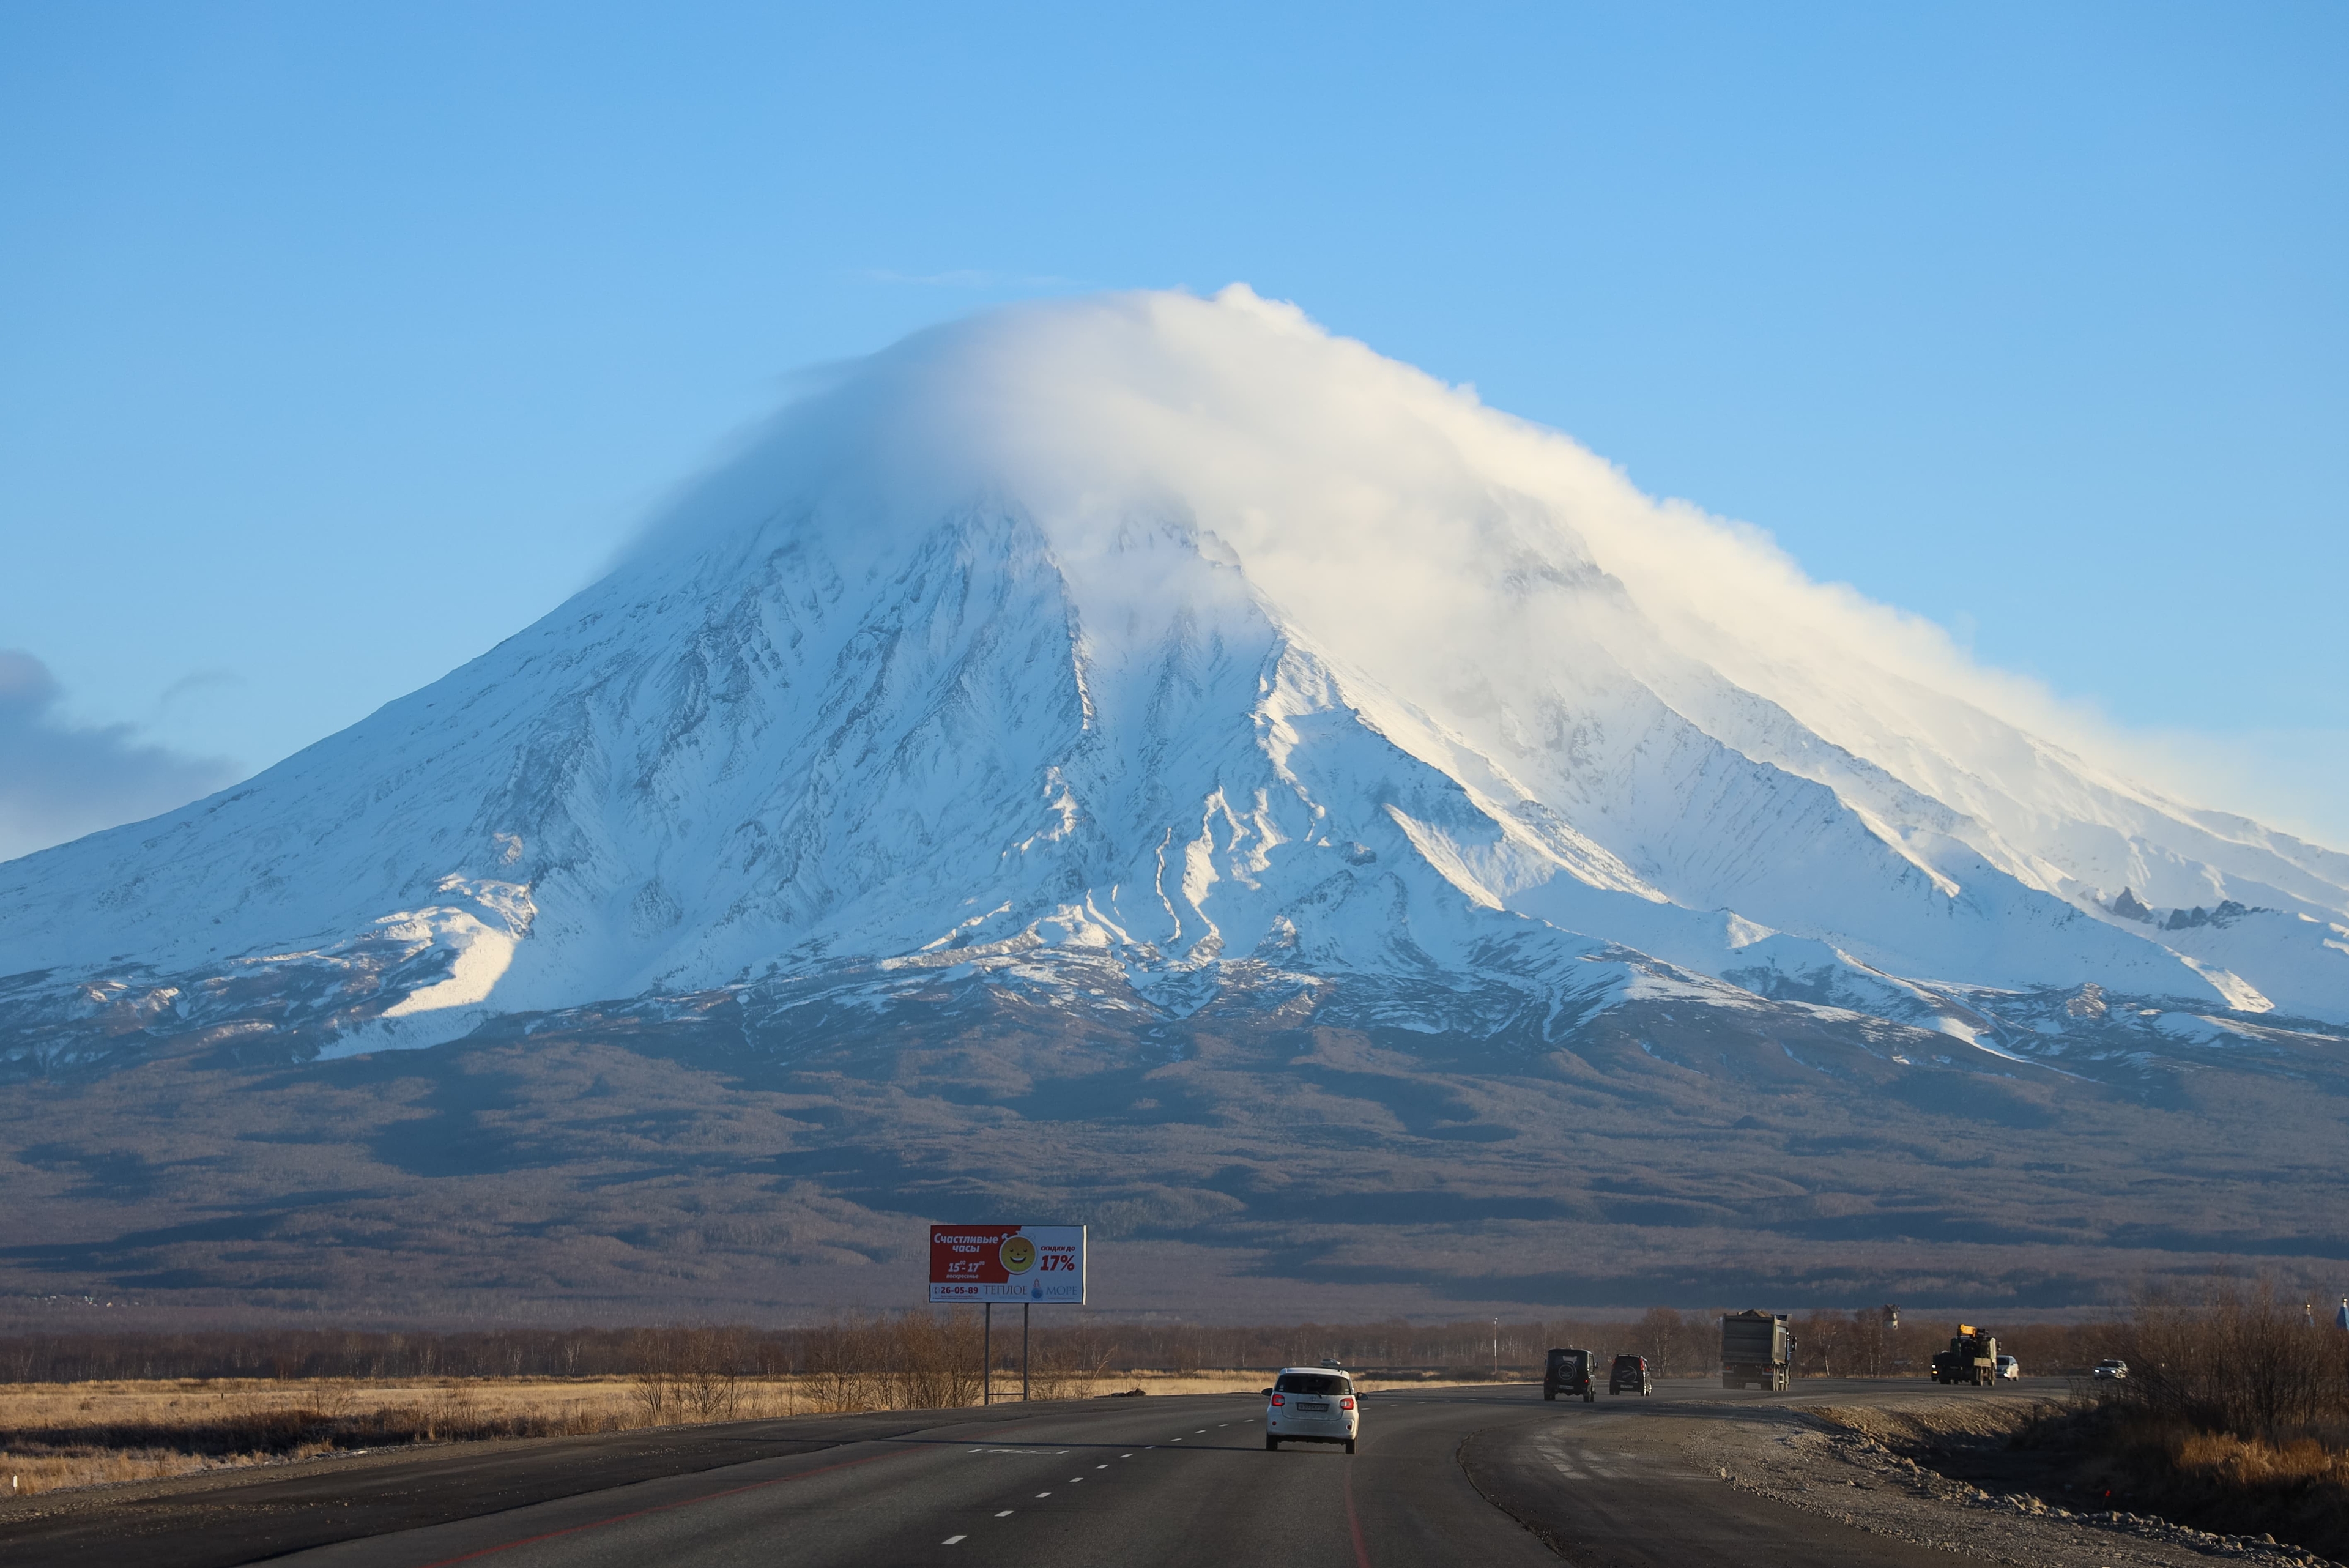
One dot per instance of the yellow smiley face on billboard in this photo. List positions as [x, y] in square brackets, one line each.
[1019, 1254]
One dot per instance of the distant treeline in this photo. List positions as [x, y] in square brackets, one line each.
[880, 1338]
[1863, 1344]
[1856, 1343]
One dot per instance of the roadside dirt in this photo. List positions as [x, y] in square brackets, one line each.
[1839, 1460]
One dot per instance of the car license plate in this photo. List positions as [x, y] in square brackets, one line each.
[1318, 1408]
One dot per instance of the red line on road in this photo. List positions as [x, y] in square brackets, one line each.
[1361, 1552]
[664, 1508]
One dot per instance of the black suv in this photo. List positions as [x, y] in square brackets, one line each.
[1631, 1374]
[1568, 1373]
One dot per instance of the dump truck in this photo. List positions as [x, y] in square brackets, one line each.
[1973, 1357]
[1756, 1351]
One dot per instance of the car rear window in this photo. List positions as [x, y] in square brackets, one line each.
[1627, 1364]
[1310, 1383]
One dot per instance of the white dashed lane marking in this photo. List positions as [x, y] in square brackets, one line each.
[951, 1540]
[1005, 1514]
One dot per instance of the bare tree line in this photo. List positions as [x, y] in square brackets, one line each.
[1867, 1344]
[2236, 1357]
[920, 1358]
[901, 1351]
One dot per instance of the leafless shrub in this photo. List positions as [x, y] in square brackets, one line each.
[2238, 1361]
[689, 1373]
[906, 1361]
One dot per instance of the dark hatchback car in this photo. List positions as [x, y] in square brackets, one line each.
[1568, 1373]
[1630, 1376]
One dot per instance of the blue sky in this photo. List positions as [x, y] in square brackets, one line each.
[337, 343]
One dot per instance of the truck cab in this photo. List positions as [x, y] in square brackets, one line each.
[1973, 1357]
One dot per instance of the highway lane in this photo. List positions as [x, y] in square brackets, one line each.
[1178, 1483]
[1148, 1483]
[1493, 1476]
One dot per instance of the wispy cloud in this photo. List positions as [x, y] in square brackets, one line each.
[1487, 570]
[201, 680]
[2286, 778]
[60, 780]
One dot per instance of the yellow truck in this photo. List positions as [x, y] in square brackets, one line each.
[1973, 1357]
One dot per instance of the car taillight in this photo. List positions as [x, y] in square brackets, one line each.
[1345, 1404]
[1279, 1399]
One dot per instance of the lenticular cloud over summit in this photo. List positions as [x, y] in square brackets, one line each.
[1154, 653]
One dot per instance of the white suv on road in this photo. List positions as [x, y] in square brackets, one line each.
[1311, 1405]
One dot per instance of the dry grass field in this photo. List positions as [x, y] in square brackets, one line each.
[58, 1435]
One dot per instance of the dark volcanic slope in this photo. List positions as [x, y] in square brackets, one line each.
[710, 1162]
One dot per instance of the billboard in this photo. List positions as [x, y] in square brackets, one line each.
[1007, 1263]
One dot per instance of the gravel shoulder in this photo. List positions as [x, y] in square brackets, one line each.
[1833, 1459]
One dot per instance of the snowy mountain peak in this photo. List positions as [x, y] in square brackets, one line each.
[1153, 648]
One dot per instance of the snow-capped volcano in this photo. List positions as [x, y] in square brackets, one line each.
[1156, 648]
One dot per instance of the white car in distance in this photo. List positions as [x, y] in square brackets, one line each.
[1311, 1405]
[2110, 1371]
[2008, 1367]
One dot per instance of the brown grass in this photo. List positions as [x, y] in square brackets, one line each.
[61, 1435]
[2293, 1486]
[68, 1435]
[2223, 1460]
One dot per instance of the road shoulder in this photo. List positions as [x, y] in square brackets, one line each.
[1815, 1460]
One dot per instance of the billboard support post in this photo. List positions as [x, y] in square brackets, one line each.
[987, 1355]
[1023, 1353]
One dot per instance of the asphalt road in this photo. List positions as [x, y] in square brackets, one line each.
[1491, 1477]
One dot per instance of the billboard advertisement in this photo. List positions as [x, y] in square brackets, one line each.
[1007, 1263]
